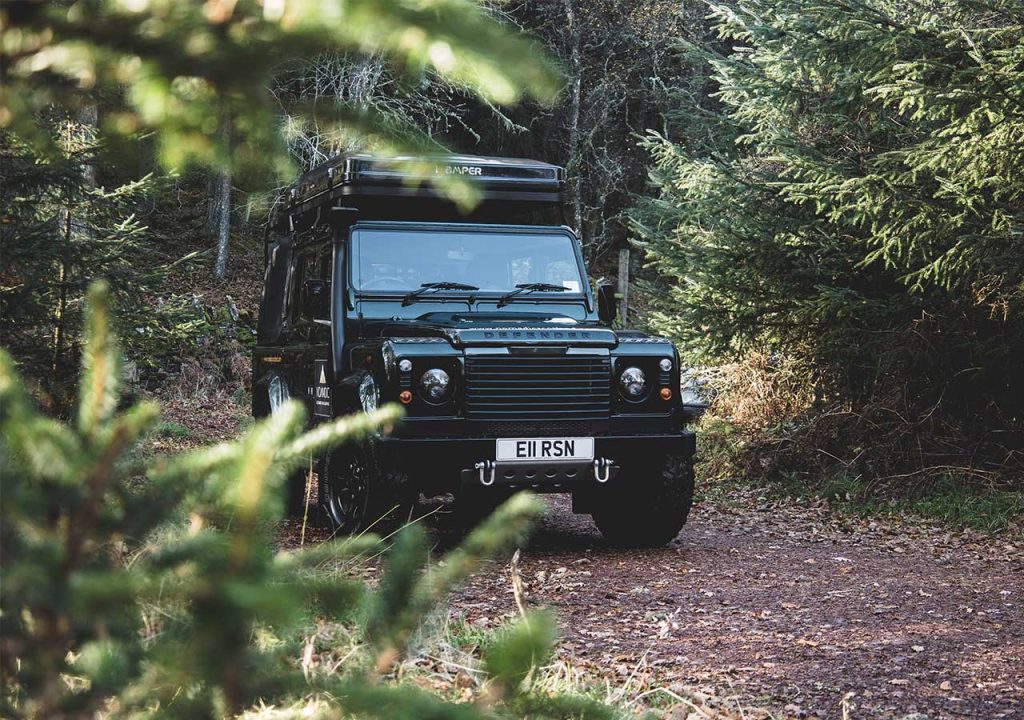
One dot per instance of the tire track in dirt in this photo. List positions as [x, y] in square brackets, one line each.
[785, 607]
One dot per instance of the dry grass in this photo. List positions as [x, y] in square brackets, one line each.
[446, 660]
[769, 424]
[209, 398]
[761, 391]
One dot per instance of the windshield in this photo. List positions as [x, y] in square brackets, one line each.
[404, 259]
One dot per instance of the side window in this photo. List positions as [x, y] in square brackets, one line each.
[309, 288]
[321, 269]
[296, 276]
[273, 304]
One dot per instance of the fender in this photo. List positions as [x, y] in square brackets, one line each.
[346, 392]
[260, 381]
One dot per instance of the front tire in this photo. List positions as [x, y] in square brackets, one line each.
[357, 495]
[648, 504]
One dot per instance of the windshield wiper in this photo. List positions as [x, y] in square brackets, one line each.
[427, 287]
[522, 288]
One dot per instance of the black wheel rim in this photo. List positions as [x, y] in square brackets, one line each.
[348, 488]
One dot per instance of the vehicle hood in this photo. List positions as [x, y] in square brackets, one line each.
[501, 329]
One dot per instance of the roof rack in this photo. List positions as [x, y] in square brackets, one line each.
[366, 176]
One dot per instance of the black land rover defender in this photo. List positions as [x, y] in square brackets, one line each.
[484, 327]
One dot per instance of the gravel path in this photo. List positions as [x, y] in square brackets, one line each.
[766, 605]
[787, 608]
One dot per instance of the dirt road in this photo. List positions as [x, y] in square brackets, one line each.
[778, 606]
[786, 608]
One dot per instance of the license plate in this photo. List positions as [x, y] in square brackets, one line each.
[528, 450]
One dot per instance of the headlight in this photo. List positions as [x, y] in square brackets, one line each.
[436, 385]
[633, 383]
[369, 395]
[387, 352]
[665, 365]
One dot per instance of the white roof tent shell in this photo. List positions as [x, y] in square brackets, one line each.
[348, 179]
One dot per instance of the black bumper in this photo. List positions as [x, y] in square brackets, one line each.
[461, 460]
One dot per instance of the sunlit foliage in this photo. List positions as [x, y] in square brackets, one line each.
[153, 590]
[186, 65]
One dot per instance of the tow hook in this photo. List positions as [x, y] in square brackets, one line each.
[483, 468]
[602, 469]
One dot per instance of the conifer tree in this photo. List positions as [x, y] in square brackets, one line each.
[860, 208]
[62, 228]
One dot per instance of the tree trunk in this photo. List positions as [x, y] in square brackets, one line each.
[79, 134]
[573, 165]
[60, 312]
[221, 200]
[88, 118]
[222, 209]
[624, 286]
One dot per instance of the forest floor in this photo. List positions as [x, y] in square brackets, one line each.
[786, 607]
[767, 607]
[777, 609]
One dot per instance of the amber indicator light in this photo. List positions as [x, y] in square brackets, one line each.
[666, 394]
[405, 396]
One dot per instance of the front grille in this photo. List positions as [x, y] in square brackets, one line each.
[568, 387]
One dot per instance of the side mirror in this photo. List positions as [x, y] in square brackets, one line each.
[315, 299]
[607, 304]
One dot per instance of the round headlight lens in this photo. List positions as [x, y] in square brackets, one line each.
[665, 364]
[633, 383]
[436, 385]
[405, 365]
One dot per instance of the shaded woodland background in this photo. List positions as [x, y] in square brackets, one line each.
[823, 202]
[823, 206]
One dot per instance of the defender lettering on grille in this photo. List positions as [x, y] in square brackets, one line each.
[536, 334]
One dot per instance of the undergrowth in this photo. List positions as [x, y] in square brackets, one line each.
[771, 427]
[948, 500]
[728, 461]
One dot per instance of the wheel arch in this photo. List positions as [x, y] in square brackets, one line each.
[346, 392]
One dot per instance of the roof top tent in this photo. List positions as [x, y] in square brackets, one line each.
[364, 187]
